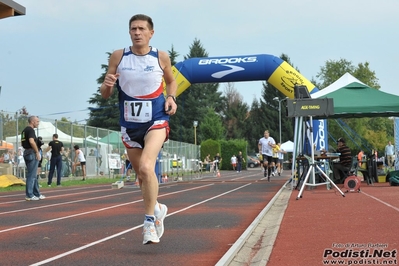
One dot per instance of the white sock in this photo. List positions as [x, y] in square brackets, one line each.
[157, 209]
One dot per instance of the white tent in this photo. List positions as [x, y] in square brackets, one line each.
[287, 146]
[46, 131]
[339, 83]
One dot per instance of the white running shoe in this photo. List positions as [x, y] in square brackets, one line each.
[33, 198]
[149, 233]
[42, 196]
[159, 225]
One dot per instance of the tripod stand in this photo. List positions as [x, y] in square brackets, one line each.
[313, 166]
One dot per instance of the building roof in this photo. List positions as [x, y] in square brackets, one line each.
[9, 8]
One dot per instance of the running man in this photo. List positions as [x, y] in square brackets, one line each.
[265, 147]
[139, 72]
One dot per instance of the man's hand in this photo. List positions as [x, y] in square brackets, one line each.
[170, 106]
[110, 79]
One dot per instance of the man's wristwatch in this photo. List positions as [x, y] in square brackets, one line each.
[171, 96]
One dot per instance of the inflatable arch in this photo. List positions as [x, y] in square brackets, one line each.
[247, 68]
[240, 68]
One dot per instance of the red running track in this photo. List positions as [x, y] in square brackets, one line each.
[324, 228]
[97, 225]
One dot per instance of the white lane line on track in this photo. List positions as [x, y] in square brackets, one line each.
[241, 177]
[69, 202]
[131, 229]
[97, 210]
[64, 203]
[221, 179]
[69, 194]
[59, 196]
[54, 191]
[381, 201]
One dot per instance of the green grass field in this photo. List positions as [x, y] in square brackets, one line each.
[67, 183]
[76, 181]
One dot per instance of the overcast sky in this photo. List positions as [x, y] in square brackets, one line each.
[51, 58]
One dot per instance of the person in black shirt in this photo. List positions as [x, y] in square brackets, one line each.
[216, 163]
[240, 160]
[344, 164]
[32, 157]
[56, 148]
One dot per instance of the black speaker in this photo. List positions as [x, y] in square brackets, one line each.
[301, 92]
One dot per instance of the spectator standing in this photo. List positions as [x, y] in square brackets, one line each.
[6, 157]
[48, 158]
[207, 162]
[56, 147]
[233, 161]
[80, 160]
[240, 160]
[389, 154]
[12, 157]
[20, 163]
[280, 161]
[40, 143]
[360, 158]
[31, 158]
[216, 163]
[99, 157]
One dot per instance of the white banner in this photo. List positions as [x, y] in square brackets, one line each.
[114, 161]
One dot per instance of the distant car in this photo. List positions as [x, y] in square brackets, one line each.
[252, 162]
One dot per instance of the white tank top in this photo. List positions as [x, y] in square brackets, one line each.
[81, 157]
[140, 88]
[140, 75]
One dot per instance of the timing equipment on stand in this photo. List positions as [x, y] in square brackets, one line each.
[301, 107]
[310, 107]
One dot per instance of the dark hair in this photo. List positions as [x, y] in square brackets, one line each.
[39, 142]
[142, 17]
[55, 135]
[76, 147]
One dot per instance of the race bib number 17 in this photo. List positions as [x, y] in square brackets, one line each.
[138, 111]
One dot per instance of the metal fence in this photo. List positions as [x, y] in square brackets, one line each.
[103, 148]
